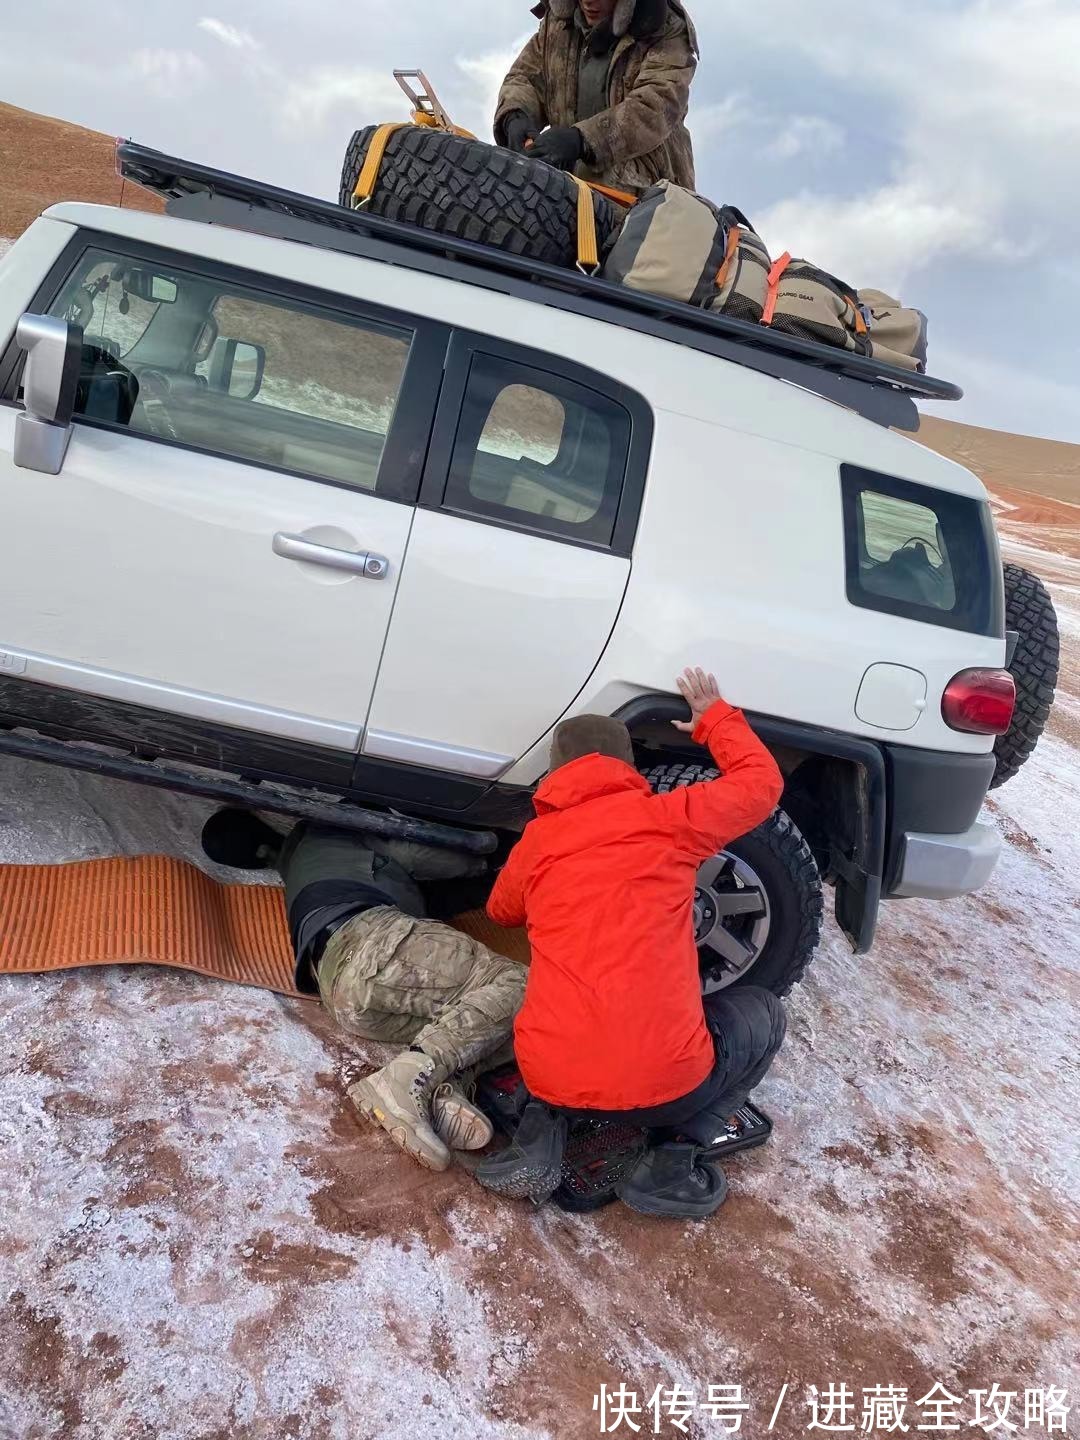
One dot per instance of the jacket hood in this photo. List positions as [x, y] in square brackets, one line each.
[640, 18]
[587, 779]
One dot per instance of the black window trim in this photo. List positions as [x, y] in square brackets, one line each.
[402, 462]
[464, 346]
[855, 480]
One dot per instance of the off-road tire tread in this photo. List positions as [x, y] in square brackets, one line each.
[1030, 611]
[783, 838]
[477, 192]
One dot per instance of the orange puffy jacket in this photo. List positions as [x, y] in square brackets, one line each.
[604, 880]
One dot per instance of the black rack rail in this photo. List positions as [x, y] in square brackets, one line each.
[882, 393]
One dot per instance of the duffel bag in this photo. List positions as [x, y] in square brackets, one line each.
[671, 244]
[897, 334]
[461, 187]
[742, 282]
[814, 305]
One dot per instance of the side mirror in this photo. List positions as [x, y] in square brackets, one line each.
[237, 368]
[53, 361]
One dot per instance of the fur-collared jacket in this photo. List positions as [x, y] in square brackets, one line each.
[653, 51]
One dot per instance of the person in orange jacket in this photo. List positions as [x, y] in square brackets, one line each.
[613, 1025]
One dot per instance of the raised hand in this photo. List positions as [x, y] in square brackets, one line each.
[701, 692]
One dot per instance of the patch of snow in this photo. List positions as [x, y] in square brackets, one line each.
[231, 1153]
[5, 245]
[48, 815]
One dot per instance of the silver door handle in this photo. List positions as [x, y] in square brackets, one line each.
[356, 562]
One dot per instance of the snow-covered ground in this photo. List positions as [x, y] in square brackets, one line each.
[199, 1239]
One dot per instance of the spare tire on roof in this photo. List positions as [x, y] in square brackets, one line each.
[479, 192]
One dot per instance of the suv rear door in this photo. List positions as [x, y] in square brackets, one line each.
[241, 444]
[518, 559]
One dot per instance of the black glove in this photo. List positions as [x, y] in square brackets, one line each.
[518, 128]
[561, 146]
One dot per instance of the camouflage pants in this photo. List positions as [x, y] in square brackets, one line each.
[390, 977]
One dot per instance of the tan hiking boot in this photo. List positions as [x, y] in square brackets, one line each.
[398, 1097]
[459, 1123]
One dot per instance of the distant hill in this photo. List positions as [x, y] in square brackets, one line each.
[43, 161]
[1008, 462]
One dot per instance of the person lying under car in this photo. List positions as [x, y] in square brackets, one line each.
[386, 972]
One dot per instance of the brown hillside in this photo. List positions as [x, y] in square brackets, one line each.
[1008, 462]
[43, 161]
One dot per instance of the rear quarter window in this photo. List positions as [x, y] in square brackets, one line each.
[921, 553]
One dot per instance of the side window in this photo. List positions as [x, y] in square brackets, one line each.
[907, 557]
[918, 552]
[538, 452]
[177, 355]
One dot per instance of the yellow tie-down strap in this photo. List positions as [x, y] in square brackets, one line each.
[369, 174]
[588, 253]
[423, 117]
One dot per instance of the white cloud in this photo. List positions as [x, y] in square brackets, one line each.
[483, 76]
[806, 135]
[884, 237]
[360, 96]
[982, 106]
[991, 387]
[171, 73]
[709, 123]
[228, 34]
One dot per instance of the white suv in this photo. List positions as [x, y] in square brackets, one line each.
[323, 514]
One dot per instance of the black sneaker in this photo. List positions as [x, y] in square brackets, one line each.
[531, 1165]
[672, 1180]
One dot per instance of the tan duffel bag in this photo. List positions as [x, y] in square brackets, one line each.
[814, 305]
[742, 282]
[897, 334]
[671, 244]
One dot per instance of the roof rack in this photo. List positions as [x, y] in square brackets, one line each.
[882, 393]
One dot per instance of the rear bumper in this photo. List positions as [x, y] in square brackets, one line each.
[935, 795]
[939, 867]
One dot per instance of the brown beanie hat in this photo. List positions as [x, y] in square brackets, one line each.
[590, 735]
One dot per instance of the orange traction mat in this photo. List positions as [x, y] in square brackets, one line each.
[157, 910]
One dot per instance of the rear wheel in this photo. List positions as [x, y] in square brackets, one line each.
[1029, 611]
[758, 904]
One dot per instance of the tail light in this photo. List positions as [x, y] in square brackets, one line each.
[980, 701]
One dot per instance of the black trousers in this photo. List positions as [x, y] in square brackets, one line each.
[748, 1026]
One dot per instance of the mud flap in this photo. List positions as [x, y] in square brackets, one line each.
[599, 1153]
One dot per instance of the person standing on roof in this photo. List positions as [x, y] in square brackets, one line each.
[602, 89]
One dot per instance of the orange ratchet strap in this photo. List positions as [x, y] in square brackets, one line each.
[774, 280]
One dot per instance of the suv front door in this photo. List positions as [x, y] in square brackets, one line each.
[242, 446]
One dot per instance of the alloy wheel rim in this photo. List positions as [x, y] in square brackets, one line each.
[732, 920]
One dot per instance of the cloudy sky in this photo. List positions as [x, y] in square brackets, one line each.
[927, 147]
